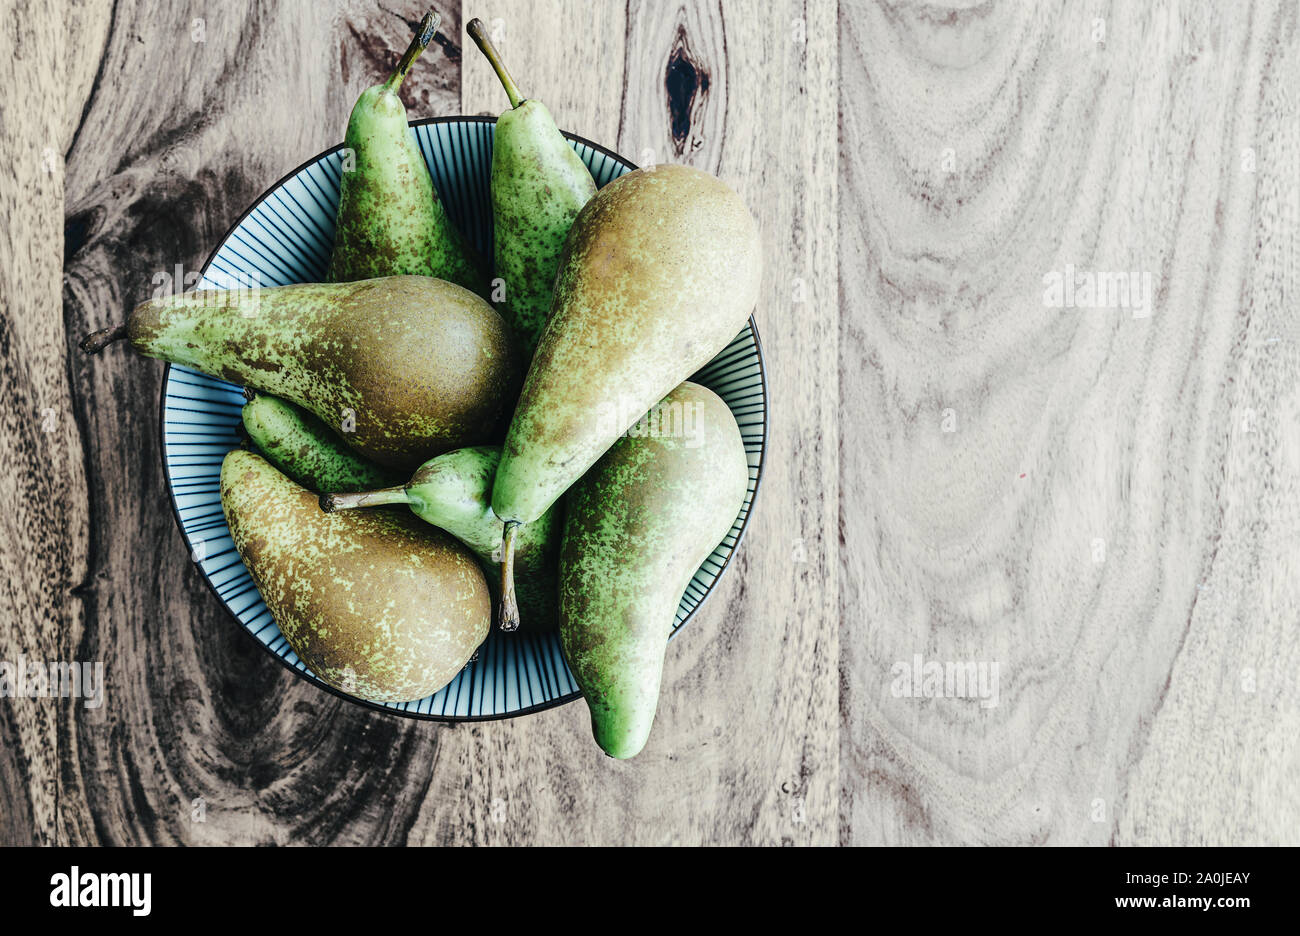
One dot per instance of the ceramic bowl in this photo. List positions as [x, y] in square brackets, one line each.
[285, 237]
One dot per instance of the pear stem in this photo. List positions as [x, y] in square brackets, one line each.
[393, 495]
[509, 616]
[96, 342]
[423, 36]
[479, 34]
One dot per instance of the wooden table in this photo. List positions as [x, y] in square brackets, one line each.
[1100, 503]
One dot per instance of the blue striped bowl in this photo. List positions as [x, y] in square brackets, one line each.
[285, 237]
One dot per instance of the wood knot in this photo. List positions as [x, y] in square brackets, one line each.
[686, 83]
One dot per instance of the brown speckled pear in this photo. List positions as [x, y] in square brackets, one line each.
[376, 603]
[402, 368]
[659, 274]
[638, 525]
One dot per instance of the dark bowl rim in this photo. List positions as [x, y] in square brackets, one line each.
[310, 678]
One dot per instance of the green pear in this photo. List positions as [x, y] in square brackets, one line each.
[305, 449]
[539, 184]
[376, 604]
[637, 527]
[454, 492]
[659, 274]
[402, 368]
[390, 220]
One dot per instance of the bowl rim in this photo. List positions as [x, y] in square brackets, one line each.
[306, 675]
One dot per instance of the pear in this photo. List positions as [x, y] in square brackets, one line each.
[305, 449]
[539, 184]
[660, 272]
[376, 603]
[390, 220]
[637, 527]
[402, 367]
[454, 492]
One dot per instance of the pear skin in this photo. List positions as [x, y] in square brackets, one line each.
[402, 368]
[390, 221]
[375, 603]
[454, 493]
[660, 272]
[305, 449]
[539, 185]
[637, 527]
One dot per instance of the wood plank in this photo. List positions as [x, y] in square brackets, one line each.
[745, 744]
[41, 466]
[199, 723]
[1100, 502]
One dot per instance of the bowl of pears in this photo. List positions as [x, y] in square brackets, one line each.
[466, 416]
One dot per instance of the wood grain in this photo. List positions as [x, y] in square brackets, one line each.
[40, 448]
[1104, 504]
